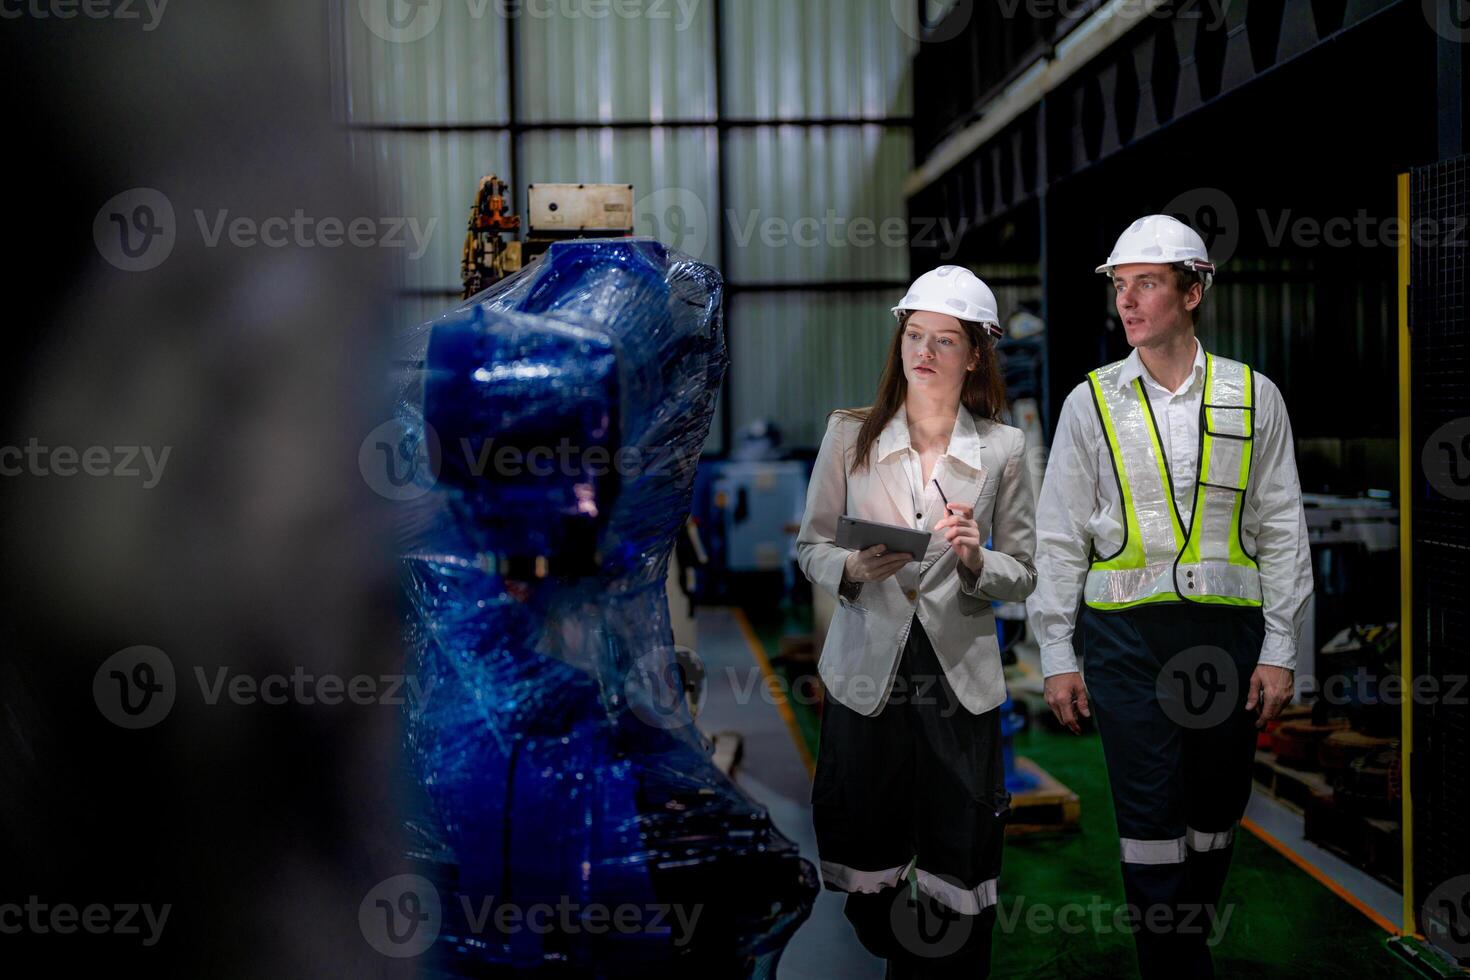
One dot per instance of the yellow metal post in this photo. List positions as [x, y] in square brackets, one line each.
[1406, 563]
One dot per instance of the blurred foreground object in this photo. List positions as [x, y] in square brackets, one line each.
[553, 740]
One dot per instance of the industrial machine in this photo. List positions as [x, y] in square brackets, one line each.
[555, 212]
[487, 256]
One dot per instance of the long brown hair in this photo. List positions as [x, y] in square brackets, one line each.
[983, 393]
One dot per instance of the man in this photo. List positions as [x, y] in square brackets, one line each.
[1171, 508]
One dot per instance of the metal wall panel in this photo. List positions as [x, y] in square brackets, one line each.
[817, 204]
[631, 60]
[675, 189]
[818, 58]
[431, 178]
[797, 356]
[444, 64]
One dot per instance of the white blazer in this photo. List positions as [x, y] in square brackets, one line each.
[986, 468]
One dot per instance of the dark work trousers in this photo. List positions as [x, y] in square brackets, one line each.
[1167, 684]
[920, 786]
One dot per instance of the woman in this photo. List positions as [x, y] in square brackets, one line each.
[909, 774]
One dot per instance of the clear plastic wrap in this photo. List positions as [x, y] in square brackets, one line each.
[552, 745]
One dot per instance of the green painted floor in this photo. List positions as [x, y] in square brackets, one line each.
[1283, 923]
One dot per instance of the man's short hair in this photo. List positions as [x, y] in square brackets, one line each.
[1184, 277]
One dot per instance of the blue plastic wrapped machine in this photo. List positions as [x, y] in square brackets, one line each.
[553, 747]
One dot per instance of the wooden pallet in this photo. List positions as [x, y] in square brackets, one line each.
[1048, 808]
[1370, 843]
[1291, 786]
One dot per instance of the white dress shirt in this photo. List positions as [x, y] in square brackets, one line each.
[1077, 511]
[925, 497]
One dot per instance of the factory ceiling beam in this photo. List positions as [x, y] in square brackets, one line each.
[1104, 91]
[1078, 48]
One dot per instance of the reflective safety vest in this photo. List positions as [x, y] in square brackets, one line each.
[1161, 560]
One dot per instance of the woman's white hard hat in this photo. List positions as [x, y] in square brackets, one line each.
[954, 290]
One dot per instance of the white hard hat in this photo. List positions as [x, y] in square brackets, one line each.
[955, 290]
[1164, 239]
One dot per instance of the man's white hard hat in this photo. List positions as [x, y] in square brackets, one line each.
[955, 290]
[1163, 239]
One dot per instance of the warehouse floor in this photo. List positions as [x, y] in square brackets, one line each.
[1285, 921]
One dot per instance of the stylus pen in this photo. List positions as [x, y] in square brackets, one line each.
[941, 493]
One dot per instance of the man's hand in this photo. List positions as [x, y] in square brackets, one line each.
[963, 535]
[1269, 692]
[1067, 698]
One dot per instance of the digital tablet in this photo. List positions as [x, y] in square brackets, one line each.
[856, 534]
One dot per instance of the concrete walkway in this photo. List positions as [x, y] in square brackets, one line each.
[774, 774]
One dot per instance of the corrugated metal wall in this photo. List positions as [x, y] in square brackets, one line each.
[807, 102]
